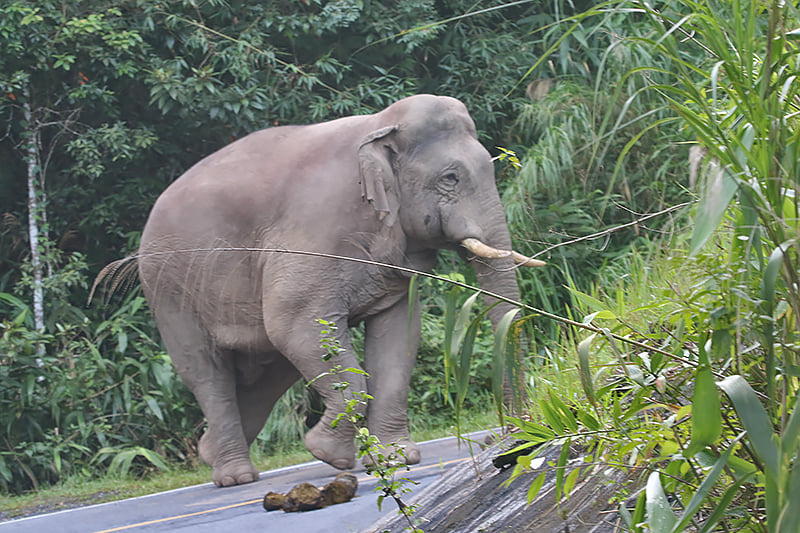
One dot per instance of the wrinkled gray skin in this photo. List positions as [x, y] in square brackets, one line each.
[241, 326]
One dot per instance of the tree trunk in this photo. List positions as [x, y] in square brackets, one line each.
[35, 210]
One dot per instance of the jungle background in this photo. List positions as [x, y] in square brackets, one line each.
[656, 170]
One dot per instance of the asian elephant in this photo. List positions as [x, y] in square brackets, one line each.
[241, 325]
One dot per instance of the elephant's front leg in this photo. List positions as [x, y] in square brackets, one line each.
[299, 340]
[390, 349]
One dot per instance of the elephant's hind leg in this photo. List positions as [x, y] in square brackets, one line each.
[257, 393]
[210, 375]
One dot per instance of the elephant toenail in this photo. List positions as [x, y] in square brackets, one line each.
[249, 477]
[342, 464]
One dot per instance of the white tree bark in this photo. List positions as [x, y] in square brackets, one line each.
[35, 210]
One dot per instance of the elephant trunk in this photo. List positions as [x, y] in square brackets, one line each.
[497, 276]
[494, 268]
[494, 259]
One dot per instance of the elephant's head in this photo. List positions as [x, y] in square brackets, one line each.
[425, 169]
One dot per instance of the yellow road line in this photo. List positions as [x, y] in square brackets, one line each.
[250, 502]
[170, 518]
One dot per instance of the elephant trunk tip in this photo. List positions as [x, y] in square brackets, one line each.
[481, 249]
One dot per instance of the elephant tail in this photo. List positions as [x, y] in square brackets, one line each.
[120, 275]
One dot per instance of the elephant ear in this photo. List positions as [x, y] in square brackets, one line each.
[378, 183]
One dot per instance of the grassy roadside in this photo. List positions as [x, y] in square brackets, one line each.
[78, 491]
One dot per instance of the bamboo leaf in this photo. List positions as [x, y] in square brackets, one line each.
[770, 277]
[513, 364]
[706, 410]
[588, 420]
[660, 517]
[714, 79]
[122, 341]
[625, 515]
[57, 460]
[754, 419]
[154, 458]
[24, 315]
[465, 359]
[355, 370]
[719, 191]
[639, 511]
[603, 315]
[551, 418]
[560, 466]
[535, 487]
[126, 394]
[499, 359]
[768, 296]
[789, 519]
[590, 301]
[530, 431]
[121, 462]
[522, 447]
[450, 312]
[721, 506]
[704, 488]
[791, 434]
[569, 483]
[4, 471]
[585, 370]
[462, 323]
[563, 412]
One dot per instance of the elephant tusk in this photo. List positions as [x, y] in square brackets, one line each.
[483, 250]
[522, 260]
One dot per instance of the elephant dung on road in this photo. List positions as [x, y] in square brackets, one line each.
[241, 325]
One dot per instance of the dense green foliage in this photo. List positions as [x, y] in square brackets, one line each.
[582, 112]
[689, 368]
[100, 391]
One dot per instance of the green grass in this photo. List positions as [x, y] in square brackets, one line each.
[78, 491]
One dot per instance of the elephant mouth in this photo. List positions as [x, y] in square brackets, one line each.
[487, 252]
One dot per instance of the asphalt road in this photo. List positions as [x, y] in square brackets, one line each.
[210, 509]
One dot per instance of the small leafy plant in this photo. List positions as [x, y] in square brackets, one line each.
[382, 461]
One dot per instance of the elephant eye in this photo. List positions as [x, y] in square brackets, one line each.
[449, 181]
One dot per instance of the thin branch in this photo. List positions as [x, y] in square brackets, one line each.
[114, 267]
[431, 25]
[263, 53]
[65, 126]
[611, 230]
[7, 135]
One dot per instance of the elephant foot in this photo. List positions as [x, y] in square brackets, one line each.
[411, 451]
[234, 473]
[225, 473]
[405, 451]
[333, 447]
